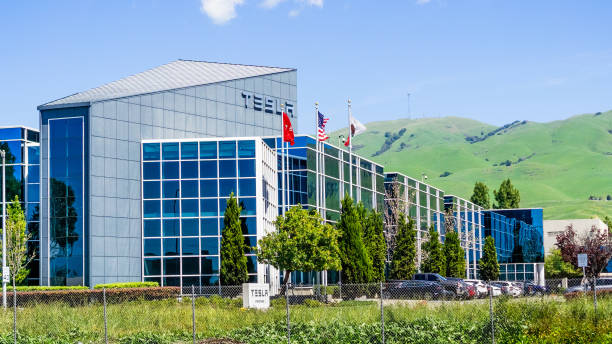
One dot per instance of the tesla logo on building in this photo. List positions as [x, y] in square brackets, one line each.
[263, 103]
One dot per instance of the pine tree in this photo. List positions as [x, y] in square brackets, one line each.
[356, 263]
[233, 261]
[433, 254]
[489, 267]
[403, 264]
[507, 197]
[455, 255]
[375, 242]
[481, 195]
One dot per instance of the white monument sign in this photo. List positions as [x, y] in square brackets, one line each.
[256, 295]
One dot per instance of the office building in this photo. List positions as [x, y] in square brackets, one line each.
[468, 222]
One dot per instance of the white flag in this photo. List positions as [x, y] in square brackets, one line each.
[356, 129]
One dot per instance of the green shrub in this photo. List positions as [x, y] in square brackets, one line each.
[88, 296]
[145, 338]
[312, 303]
[47, 288]
[127, 285]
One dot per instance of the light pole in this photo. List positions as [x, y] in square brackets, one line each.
[423, 177]
[3, 154]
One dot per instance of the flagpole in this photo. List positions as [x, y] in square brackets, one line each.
[317, 155]
[282, 153]
[350, 138]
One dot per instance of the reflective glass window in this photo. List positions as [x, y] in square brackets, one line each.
[210, 280]
[171, 267]
[191, 266]
[210, 246]
[209, 226]
[150, 190]
[189, 169]
[151, 209]
[246, 187]
[171, 246]
[249, 206]
[172, 281]
[246, 168]
[227, 187]
[170, 170]
[152, 247]
[208, 207]
[222, 206]
[190, 227]
[33, 193]
[250, 242]
[208, 150]
[170, 150]
[189, 150]
[189, 207]
[171, 208]
[208, 169]
[227, 149]
[246, 149]
[208, 188]
[189, 188]
[252, 264]
[190, 280]
[210, 265]
[170, 188]
[249, 225]
[189, 246]
[11, 134]
[150, 151]
[152, 266]
[171, 227]
[150, 170]
[33, 174]
[227, 168]
[151, 228]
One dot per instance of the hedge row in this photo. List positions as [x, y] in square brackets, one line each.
[578, 294]
[88, 296]
[46, 288]
[127, 285]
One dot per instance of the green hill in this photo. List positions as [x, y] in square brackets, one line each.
[555, 165]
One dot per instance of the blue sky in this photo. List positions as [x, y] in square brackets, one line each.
[494, 61]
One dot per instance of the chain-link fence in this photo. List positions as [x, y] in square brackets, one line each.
[107, 315]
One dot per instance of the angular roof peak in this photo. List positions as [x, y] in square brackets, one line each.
[173, 75]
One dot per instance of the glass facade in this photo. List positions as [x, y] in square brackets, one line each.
[518, 234]
[185, 188]
[23, 180]
[469, 224]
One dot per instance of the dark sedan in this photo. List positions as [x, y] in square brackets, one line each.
[427, 290]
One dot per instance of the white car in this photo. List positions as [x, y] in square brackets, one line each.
[510, 289]
[496, 291]
[481, 287]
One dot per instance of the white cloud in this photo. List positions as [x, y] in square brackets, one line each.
[220, 11]
[318, 3]
[271, 3]
[422, 2]
[294, 13]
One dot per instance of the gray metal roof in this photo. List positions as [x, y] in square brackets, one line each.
[173, 75]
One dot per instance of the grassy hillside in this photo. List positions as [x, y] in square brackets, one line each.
[555, 165]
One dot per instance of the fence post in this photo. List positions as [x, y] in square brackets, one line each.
[14, 314]
[193, 323]
[595, 296]
[105, 320]
[382, 313]
[491, 314]
[287, 306]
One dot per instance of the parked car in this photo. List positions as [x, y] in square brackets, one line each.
[507, 288]
[602, 284]
[532, 289]
[428, 290]
[458, 289]
[481, 287]
[496, 290]
[470, 288]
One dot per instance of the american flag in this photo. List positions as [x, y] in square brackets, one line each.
[321, 127]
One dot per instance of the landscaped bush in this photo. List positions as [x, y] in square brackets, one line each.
[127, 285]
[81, 297]
[47, 288]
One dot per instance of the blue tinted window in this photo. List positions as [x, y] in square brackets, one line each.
[34, 155]
[208, 188]
[171, 247]
[170, 188]
[14, 154]
[150, 190]
[210, 280]
[34, 174]
[171, 267]
[171, 228]
[246, 187]
[208, 207]
[250, 242]
[246, 168]
[210, 265]
[208, 169]
[152, 247]
[227, 187]
[189, 169]
[189, 188]
[152, 266]
[209, 226]
[222, 206]
[227, 149]
[170, 150]
[171, 281]
[150, 170]
[152, 228]
[227, 168]
[191, 266]
[171, 208]
[33, 193]
[11, 133]
[208, 150]
[189, 207]
[151, 209]
[246, 149]
[189, 150]
[249, 225]
[252, 264]
[190, 246]
[170, 170]
[190, 227]
[209, 246]
[248, 206]
[150, 151]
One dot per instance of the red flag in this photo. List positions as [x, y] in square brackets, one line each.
[287, 130]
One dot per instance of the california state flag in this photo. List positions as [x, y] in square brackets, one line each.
[356, 129]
